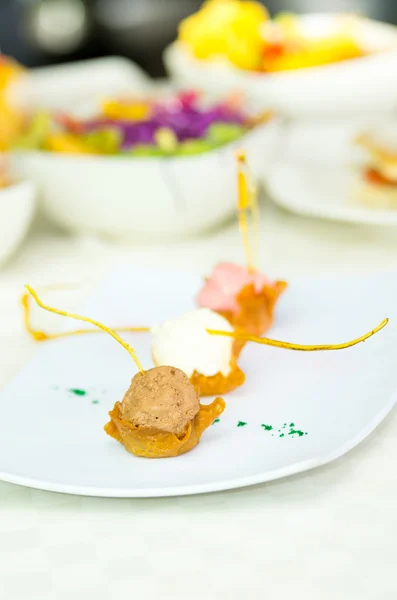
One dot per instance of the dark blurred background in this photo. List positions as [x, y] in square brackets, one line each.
[40, 32]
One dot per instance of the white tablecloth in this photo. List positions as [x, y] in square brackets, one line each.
[329, 534]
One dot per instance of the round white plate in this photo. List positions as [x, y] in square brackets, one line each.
[319, 191]
[52, 438]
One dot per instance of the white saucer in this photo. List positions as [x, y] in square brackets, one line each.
[53, 439]
[317, 190]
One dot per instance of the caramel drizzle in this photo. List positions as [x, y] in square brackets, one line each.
[248, 212]
[41, 336]
[239, 335]
[111, 332]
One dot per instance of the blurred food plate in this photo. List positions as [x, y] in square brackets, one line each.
[328, 141]
[364, 83]
[333, 193]
[17, 204]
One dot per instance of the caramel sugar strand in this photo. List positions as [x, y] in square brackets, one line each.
[112, 333]
[299, 347]
[42, 336]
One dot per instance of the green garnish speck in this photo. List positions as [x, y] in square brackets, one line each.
[78, 392]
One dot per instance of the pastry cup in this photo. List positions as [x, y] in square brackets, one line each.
[219, 383]
[256, 311]
[149, 442]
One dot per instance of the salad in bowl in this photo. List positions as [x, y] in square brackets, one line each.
[180, 125]
[139, 166]
[297, 63]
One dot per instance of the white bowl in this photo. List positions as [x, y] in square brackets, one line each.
[362, 84]
[130, 196]
[17, 204]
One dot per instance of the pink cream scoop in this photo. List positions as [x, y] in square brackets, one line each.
[226, 282]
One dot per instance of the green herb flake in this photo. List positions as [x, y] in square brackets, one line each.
[296, 432]
[77, 392]
[267, 427]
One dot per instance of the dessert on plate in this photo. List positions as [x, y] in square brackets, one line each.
[208, 360]
[245, 298]
[377, 186]
[241, 294]
[160, 415]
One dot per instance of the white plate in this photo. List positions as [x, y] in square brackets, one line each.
[329, 142]
[317, 191]
[52, 439]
